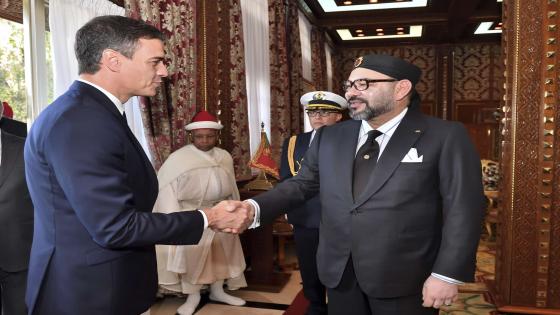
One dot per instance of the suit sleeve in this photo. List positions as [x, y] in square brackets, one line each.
[463, 206]
[89, 163]
[295, 190]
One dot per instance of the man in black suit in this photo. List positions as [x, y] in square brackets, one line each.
[323, 109]
[16, 224]
[93, 187]
[401, 198]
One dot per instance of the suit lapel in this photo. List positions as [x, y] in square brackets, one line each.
[347, 142]
[9, 157]
[104, 101]
[407, 133]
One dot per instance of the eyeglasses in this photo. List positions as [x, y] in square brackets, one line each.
[362, 84]
[319, 112]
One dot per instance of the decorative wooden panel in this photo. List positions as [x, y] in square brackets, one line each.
[474, 72]
[528, 262]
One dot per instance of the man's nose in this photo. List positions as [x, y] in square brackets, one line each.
[162, 71]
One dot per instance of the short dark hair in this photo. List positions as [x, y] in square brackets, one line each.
[110, 32]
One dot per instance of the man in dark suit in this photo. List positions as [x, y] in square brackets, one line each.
[94, 188]
[323, 109]
[401, 198]
[16, 225]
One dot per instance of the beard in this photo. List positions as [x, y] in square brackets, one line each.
[370, 112]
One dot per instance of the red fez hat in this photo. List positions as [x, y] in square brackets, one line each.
[204, 120]
[8, 112]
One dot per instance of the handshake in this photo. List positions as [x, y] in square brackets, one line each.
[231, 216]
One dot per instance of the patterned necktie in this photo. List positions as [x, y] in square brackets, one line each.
[365, 162]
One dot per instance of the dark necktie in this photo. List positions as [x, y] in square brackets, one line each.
[124, 116]
[365, 162]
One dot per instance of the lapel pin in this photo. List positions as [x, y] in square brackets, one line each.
[366, 157]
[418, 131]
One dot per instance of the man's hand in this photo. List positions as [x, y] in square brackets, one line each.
[437, 292]
[230, 216]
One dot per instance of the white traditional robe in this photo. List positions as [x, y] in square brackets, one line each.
[193, 179]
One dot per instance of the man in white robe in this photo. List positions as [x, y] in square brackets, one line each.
[197, 176]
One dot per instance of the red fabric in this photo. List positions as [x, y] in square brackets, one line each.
[286, 114]
[299, 305]
[204, 116]
[8, 112]
[263, 158]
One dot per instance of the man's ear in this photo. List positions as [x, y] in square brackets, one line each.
[111, 60]
[402, 89]
[338, 117]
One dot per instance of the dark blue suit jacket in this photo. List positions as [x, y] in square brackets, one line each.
[93, 189]
[308, 214]
[16, 209]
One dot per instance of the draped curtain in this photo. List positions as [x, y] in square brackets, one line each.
[231, 87]
[286, 84]
[328, 55]
[255, 37]
[318, 59]
[166, 114]
[65, 18]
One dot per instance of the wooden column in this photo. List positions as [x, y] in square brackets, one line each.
[528, 240]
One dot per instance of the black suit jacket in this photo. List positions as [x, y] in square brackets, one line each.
[413, 219]
[94, 189]
[16, 209]
[309, 214]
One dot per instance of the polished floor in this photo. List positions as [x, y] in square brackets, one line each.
[473, 297]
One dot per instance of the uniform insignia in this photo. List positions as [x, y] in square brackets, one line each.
[319, 96]
[358, 62]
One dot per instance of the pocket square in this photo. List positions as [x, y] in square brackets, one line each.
[412, 157]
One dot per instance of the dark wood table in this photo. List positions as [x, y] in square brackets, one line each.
[258, 246]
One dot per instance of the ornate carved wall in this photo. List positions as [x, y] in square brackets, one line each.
[528, 244]
[460, 82]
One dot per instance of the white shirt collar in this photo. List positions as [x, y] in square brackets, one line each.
[387, 128]
[113, 98]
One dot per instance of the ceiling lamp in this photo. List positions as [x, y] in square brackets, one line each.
[331, 6]
[486, 28]
[345, 34]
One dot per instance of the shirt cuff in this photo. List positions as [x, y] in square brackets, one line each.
[446, 279]
[257, 219]
[204, 217]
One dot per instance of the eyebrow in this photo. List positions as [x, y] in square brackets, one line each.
[156, 59]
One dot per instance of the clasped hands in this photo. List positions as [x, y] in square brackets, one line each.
[231, 216]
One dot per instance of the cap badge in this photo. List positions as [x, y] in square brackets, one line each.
[319, 96]
[358, 62]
